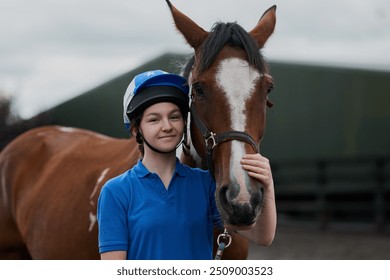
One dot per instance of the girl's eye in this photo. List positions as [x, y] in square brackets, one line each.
[152, 120]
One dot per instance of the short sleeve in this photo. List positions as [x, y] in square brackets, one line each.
[112, 219]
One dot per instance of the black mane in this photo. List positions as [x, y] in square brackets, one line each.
[231, 34]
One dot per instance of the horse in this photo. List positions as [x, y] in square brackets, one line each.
[51, 176]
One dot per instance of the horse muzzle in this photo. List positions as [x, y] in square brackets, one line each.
[238, 208]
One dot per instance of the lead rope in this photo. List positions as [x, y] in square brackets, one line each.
[221, 244]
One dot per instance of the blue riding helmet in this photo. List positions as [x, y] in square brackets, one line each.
[153, 87]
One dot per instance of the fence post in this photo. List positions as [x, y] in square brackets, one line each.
[379, 197]
[321, 195]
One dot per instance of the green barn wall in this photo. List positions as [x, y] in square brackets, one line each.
[324, 112]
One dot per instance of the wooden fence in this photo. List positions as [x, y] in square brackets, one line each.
[353, 193]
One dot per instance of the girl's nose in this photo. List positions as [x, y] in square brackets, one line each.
[166, 124]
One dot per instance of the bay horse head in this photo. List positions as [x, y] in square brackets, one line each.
[229, 83]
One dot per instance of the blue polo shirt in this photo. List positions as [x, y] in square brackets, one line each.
[137, 214]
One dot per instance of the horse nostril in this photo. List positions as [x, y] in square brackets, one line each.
[223, 195]
[226, 195]
[230, 193]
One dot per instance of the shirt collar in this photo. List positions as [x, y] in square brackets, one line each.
[142, 171]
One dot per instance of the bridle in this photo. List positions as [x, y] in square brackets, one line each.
[213, 139]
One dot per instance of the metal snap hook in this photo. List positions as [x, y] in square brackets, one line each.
[225, 235]
[212, 138]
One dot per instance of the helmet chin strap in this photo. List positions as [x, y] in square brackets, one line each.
[157, 150]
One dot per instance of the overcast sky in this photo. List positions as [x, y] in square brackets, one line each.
[53, 50]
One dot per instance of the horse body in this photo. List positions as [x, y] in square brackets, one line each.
[51, 177]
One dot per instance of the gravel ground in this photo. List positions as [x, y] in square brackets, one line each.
[310, 244]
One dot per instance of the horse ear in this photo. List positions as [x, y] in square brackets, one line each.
[265, 27]
[193, 33]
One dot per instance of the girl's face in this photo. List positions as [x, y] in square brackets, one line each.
[162, 126]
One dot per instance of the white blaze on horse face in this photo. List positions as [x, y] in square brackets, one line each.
[237, 79]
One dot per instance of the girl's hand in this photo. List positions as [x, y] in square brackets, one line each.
[263, 232]
[258, 167]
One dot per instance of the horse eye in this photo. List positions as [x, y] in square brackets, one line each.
[198, 89]
[270, 88]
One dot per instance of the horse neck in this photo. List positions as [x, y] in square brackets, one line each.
[189, 160]
[190, 157]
